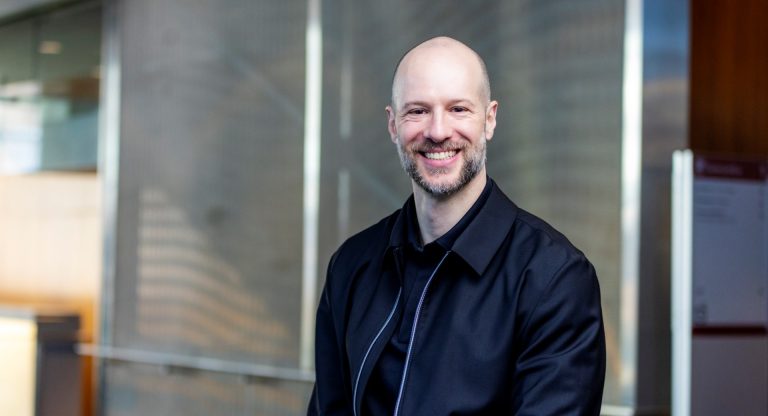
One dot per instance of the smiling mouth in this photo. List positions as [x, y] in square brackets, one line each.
[440, 155]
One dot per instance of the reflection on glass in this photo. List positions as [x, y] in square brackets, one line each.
[188, 296]
[20, 130]
[49, 91]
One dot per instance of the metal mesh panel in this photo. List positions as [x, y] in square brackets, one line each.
[559, 151]
[209, 212]
[136, 389]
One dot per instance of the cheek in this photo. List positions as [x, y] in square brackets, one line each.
[473, 132]
[409, 133]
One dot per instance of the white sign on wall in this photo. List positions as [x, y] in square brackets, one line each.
[730, 257]
[719, 285]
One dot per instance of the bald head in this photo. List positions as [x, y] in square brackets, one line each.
[442, 52]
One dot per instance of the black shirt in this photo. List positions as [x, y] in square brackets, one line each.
[417, 263]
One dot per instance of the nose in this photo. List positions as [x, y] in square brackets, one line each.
[439, 128]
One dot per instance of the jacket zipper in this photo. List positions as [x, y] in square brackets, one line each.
[413, 335]
[365, 357]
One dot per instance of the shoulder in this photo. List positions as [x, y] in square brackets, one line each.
[541, 235]
[554, 267]
[546, 256]
[553, 277]
[528, 237]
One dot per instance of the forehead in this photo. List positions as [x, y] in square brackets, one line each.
[438, 72]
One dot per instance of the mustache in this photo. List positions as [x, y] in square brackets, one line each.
[436, 147]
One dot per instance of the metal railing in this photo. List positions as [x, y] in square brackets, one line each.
[189, 363]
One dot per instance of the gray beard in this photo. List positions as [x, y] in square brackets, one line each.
[471, 166]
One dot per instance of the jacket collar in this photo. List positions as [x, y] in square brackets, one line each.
[482, 237]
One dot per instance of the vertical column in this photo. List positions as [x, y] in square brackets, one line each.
[631, 165]
[312, 118]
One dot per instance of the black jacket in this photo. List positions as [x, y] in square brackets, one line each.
[510, 322]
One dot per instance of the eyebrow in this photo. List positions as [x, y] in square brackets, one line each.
[464, 101]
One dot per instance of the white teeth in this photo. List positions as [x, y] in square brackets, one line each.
[440, 155]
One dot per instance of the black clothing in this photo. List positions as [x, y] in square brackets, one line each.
[509, 322]
[417, 262]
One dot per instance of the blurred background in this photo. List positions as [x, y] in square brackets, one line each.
[175, 174]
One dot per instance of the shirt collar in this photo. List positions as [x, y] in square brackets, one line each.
[475, 238]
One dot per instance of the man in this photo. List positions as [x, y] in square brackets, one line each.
[460, 303]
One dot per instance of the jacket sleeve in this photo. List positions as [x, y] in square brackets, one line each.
[560, 368]
[330, 395]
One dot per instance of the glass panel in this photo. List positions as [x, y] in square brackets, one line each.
[16, 52]
[49, 91]
[138, 389]
[209, 212]
[20, 112]
[556, 70]
[69, 49]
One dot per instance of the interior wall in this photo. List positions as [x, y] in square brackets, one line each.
[728, 101]
[729, 86]
[50, 244]
[50, 249]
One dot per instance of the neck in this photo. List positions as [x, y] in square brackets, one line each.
[438, 215]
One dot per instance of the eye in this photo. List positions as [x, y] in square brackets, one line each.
[416, 111]
[459, 109]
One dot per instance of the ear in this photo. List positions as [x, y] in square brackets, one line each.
[391, 123]
[490, 119]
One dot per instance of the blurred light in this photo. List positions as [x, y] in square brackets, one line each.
[20, 137]
[50, 47]
[20, 90]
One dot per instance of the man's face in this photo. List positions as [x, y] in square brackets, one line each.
[441, 119]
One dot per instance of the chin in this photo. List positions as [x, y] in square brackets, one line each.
[441, 179]
[446, 184]
[441, 188]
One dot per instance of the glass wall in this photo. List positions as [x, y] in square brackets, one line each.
[49, 90]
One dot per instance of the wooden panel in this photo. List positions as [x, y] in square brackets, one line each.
[729, 77]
